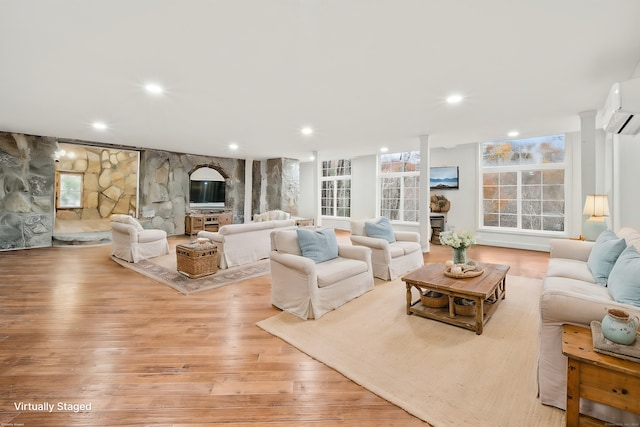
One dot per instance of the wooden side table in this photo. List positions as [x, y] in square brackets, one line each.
[597, 377]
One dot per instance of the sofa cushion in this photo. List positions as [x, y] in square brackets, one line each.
[244, 228]
[151, 235]
[624, 279]
[631, 236]
[380, 229]
[318, 245]
[337, 269]
[286, 242]
[408, 247]
[570, 269]
[604, 255]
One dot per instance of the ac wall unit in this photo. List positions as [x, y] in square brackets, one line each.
[621, 112]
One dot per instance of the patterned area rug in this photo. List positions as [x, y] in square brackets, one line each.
[163, 269]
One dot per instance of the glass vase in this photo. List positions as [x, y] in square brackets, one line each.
[459, 255]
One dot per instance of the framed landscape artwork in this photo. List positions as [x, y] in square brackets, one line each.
[443, 178]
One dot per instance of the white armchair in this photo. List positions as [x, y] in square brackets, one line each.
[308, 289]
[390, 260]
[131, 242]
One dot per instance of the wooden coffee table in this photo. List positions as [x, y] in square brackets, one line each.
[486, 290]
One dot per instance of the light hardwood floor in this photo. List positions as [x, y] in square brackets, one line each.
[77, 328]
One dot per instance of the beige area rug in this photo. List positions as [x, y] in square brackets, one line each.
[443, 374]
[164, 269]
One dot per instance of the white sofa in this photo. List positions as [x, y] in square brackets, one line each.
[274, 215]
[308, 289]
[571, 295]
[244, 243]
[389, 260]
[131, 242]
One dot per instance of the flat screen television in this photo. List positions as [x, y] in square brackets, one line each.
[207, 194]
[443, 177]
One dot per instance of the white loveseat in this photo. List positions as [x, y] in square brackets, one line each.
[244, 243]
[389, 259]
[308, 289]
[131, 242]
[571, 295]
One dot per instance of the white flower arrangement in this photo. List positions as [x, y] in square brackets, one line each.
[457, 239]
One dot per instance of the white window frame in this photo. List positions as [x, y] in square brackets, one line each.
[334, 180]
[60, 177]
[565, 165]
[401, 175]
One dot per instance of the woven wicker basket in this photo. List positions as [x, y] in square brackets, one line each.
[197, 260]
[434, 299]
[463, 310]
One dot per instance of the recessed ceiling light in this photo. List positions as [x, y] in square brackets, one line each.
[312, 157]
[233, 146]
[306, 130]
[513, 133]
[384, 149]
[99, 125]
[154, 88]
[454, 99]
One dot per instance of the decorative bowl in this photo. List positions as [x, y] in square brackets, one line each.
[202, 240]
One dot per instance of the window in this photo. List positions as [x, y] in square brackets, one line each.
[523, 184]
[69, 190]
[400, 186]
[336, 188]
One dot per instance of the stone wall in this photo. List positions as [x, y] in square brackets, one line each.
[110, 180]
[276, 185]
[164, 186]
[26, 190]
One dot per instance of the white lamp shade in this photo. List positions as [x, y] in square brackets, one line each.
[596, 206]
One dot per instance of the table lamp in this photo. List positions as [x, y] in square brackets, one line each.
[596, 206]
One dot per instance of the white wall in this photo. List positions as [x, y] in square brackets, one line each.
[626, 207]
[306, 201]
[464, 201]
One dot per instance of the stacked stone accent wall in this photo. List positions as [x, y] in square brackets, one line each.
[164, 187]
[26, 190]
[276, 185]
[27, 186]
[110, 180]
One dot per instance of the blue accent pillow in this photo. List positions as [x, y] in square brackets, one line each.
[604, 254]
[380, 229]
[624, 280]
[318, 245]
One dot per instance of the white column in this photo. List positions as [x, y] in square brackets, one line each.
[248, 186]
[317, 208]
[425, 193]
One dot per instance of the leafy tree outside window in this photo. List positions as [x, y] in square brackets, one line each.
[400, 186]
[523, 184]
[336, 188]
[70, 190]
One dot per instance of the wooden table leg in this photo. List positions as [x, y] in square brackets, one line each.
[479, 315]
[573, 393]
[409, 298]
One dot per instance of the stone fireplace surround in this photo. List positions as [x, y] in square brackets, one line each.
[27, 187]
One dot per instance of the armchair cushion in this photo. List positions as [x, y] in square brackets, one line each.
[338, 269]
[318, 245]
[604, 255]
[624, 280]
[381, 229]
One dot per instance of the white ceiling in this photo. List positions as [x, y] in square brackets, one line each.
[363, 73]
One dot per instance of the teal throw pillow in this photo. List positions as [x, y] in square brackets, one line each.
[318, 245]
[380, 229]
[604, 254]
[624, 280]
